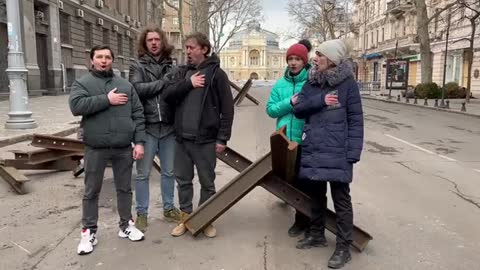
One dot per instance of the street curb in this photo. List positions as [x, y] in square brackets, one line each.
[26, 137]
[423, 107]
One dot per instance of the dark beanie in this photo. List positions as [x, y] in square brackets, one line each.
[306, 43]
[298, 50]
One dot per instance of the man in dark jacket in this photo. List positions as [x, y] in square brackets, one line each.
[149, 75]
[112, 119]
[203, 122]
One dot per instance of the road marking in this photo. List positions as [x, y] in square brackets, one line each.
[22, 248]
[420, 148]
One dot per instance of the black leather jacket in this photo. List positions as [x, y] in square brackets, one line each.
[149, 78]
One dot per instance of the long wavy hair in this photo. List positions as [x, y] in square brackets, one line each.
[166, 47]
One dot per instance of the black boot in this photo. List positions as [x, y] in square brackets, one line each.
[312, 241]
[296, 229]
[340, 257]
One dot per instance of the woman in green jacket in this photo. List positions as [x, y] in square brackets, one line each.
[279, 107]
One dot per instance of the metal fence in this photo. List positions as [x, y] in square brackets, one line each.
[368, 87]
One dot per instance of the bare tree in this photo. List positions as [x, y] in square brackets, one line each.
[471, 13]
[424, 39]
[325, 18]
[155, 12]
[234, 15]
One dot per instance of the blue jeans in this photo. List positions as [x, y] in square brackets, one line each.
[165, 149]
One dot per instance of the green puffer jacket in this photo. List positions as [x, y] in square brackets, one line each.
[279, 106]
[105, 125]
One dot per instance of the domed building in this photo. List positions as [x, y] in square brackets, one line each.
[253, 53]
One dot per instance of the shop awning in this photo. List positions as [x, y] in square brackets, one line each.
[372, 55]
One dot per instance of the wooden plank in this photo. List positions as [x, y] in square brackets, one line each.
[14, 178]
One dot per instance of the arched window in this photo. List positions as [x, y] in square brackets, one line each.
[254, 58]
[232, 61]
[275, 61]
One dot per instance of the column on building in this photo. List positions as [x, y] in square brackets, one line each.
[30, 47]
[55, 71]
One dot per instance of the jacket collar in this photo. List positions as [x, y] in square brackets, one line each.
[333, 76]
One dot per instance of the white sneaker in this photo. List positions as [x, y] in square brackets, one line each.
[131, 232]
[87, 241]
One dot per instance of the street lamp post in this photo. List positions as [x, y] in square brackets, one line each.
[19, 117]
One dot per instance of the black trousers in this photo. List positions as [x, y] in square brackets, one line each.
[340, 192]
[95, 163]
[203, 156]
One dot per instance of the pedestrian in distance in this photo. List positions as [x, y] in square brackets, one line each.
[204, 111]
[149, 74]
[332, 143]
[112, 120]
[280, 108]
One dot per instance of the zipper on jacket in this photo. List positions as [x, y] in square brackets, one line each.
[158, 108]
[291, 115]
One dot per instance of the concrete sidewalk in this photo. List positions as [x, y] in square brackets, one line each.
[472, 108]
[51, 113]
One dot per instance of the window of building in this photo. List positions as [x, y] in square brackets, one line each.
[254, 58]
[378, 33]
[65, 28]
[131, 48]
[163, 22]
[232, 61]
[88, 35]
[119, 5]
[106, 36]
[383, 34]
[371, 39]
[366, 41]
[275, 61]
[175, 21]
[120, 44]
[175, 3]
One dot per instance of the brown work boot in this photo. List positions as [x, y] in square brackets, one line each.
[210, 231]
[179, 230]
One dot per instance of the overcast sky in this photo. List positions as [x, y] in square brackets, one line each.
[277, 19]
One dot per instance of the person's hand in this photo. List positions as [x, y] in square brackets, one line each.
[117, 99]
[219, 148]
[138, 152]
[294, 99]
[198, 80]
[331, 100]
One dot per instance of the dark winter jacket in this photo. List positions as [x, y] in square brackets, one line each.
[333, 135]
[207, 117]
[149, 78]
[105, 125]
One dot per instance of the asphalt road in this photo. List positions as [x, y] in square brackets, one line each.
[416, 191]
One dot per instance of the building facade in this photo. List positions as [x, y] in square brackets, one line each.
[171, 23]
[385, 29]
[253, 53]
[58, 35]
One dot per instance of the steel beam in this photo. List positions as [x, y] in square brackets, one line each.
[228, 195]
[57, 143]
[293, 197]
[243, 92]
[43, 155]
[63, 164]
[14, 178]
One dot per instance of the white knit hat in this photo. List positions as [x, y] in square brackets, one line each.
[335, 50]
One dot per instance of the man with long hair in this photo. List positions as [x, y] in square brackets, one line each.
[149, 75]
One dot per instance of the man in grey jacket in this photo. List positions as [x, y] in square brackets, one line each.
[112, 119]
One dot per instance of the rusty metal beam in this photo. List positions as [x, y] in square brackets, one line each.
[284, 156]
[243, 92]
[57, 143]
[228, 195]
[43, 155]
[63, 164]
[294, 197]
[14, 178]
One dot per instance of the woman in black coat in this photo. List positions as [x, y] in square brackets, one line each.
[331, 143]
